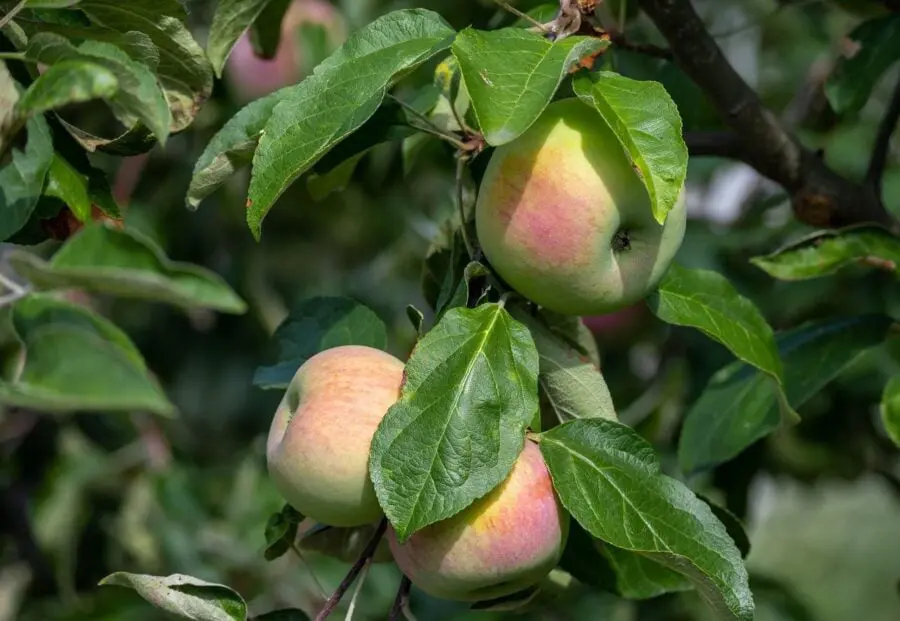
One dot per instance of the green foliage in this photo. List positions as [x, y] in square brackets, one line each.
[647, 123]
[874, 46]
[825, 252]
[122, 262]
[813, 354]
[109, 375]
[345, 90]
[67, 82]
[184, 596]
[469, 394]
[512, 74]
[22, 180]
[608, 477]
[315, 325]
[890, 409]
[231, 20]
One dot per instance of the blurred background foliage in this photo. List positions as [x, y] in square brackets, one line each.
[87, 494]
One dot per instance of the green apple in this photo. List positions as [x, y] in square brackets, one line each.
[501, 544]
[318, 444]
[564, 218]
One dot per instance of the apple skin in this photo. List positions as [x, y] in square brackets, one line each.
[502, 543]
[554, 211]
[318, 444]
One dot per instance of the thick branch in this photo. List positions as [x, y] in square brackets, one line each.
[821, 197]
[713, 144]
[883, 141]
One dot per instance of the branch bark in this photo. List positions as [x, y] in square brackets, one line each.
[820, 196]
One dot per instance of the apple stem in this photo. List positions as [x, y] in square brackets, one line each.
[401, 602]
[355, 570]
[464, 229]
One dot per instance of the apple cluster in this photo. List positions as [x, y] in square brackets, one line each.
[563, 218]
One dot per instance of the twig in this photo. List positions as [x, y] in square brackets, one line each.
[820, 196]
[359, 583]
[401, 601]
[461, 161]
[12, 13]
[883, 142]
[430, 127]
[528, 18]
[309, 570]
[332, 602]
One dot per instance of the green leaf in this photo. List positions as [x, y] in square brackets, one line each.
[462, 294]
[511, 75]
[705, 300]
[317, 324]
[609, 479]
[231, 20]
[125, 263]
[22, 178]
[232, 147]
[281, 531]
[873, 47]
[67, 82]
[890, 409]
[647, 123]
[343, 92]
[184, 71]
[459, 425]
[265, 33]
[739, 404]
[571, 383]
[320, 186]
[827, 252]
[69, 186]
[139, 97]
[105, 373]
[50, 4]
[640, 577]
[184, 596]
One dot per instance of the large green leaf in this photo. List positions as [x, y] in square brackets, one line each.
[265, 33]
[343, 92]
[572, 385]
[609, 479]
[459, 425]
[317, 324]
[66, 82]
[184, 71]
[75, 360]
[125, 263]
[647, 123]
[826, 252]
[705, 300]
[873, 47]
[231, 20]
[184, 596]
[740, 405]
[138, 98]
[22, 178]
[890, 409]
[641, 577]
[512, 74]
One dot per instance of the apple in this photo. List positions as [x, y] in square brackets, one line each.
[501, 544]
[563, 217]
[319, 440]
